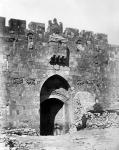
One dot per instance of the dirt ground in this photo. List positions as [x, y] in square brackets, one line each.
[87, 139]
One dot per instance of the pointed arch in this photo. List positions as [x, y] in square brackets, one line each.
[53, 83]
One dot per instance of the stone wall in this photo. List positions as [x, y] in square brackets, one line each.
[34, 54]
[3, 66]
[113, 73]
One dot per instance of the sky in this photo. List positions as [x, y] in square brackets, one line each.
[99, 16]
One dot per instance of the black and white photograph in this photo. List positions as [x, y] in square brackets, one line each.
[59, 74]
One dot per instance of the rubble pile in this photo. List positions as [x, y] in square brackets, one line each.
[22, 131]
[103, 121]
[14, 144]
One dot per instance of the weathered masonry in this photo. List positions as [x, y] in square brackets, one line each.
[52, 76]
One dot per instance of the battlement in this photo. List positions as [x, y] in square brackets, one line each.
[18, 27]
[2, 24]
[14, 25]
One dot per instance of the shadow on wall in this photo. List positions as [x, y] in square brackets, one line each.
[48, 110]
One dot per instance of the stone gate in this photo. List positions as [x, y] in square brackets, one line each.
[52, 76]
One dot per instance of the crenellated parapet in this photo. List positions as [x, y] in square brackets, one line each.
[18, 27]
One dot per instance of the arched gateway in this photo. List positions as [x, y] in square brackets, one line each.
[54, 108]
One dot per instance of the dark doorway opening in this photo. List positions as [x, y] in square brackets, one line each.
[53, 97]
[48, 110]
